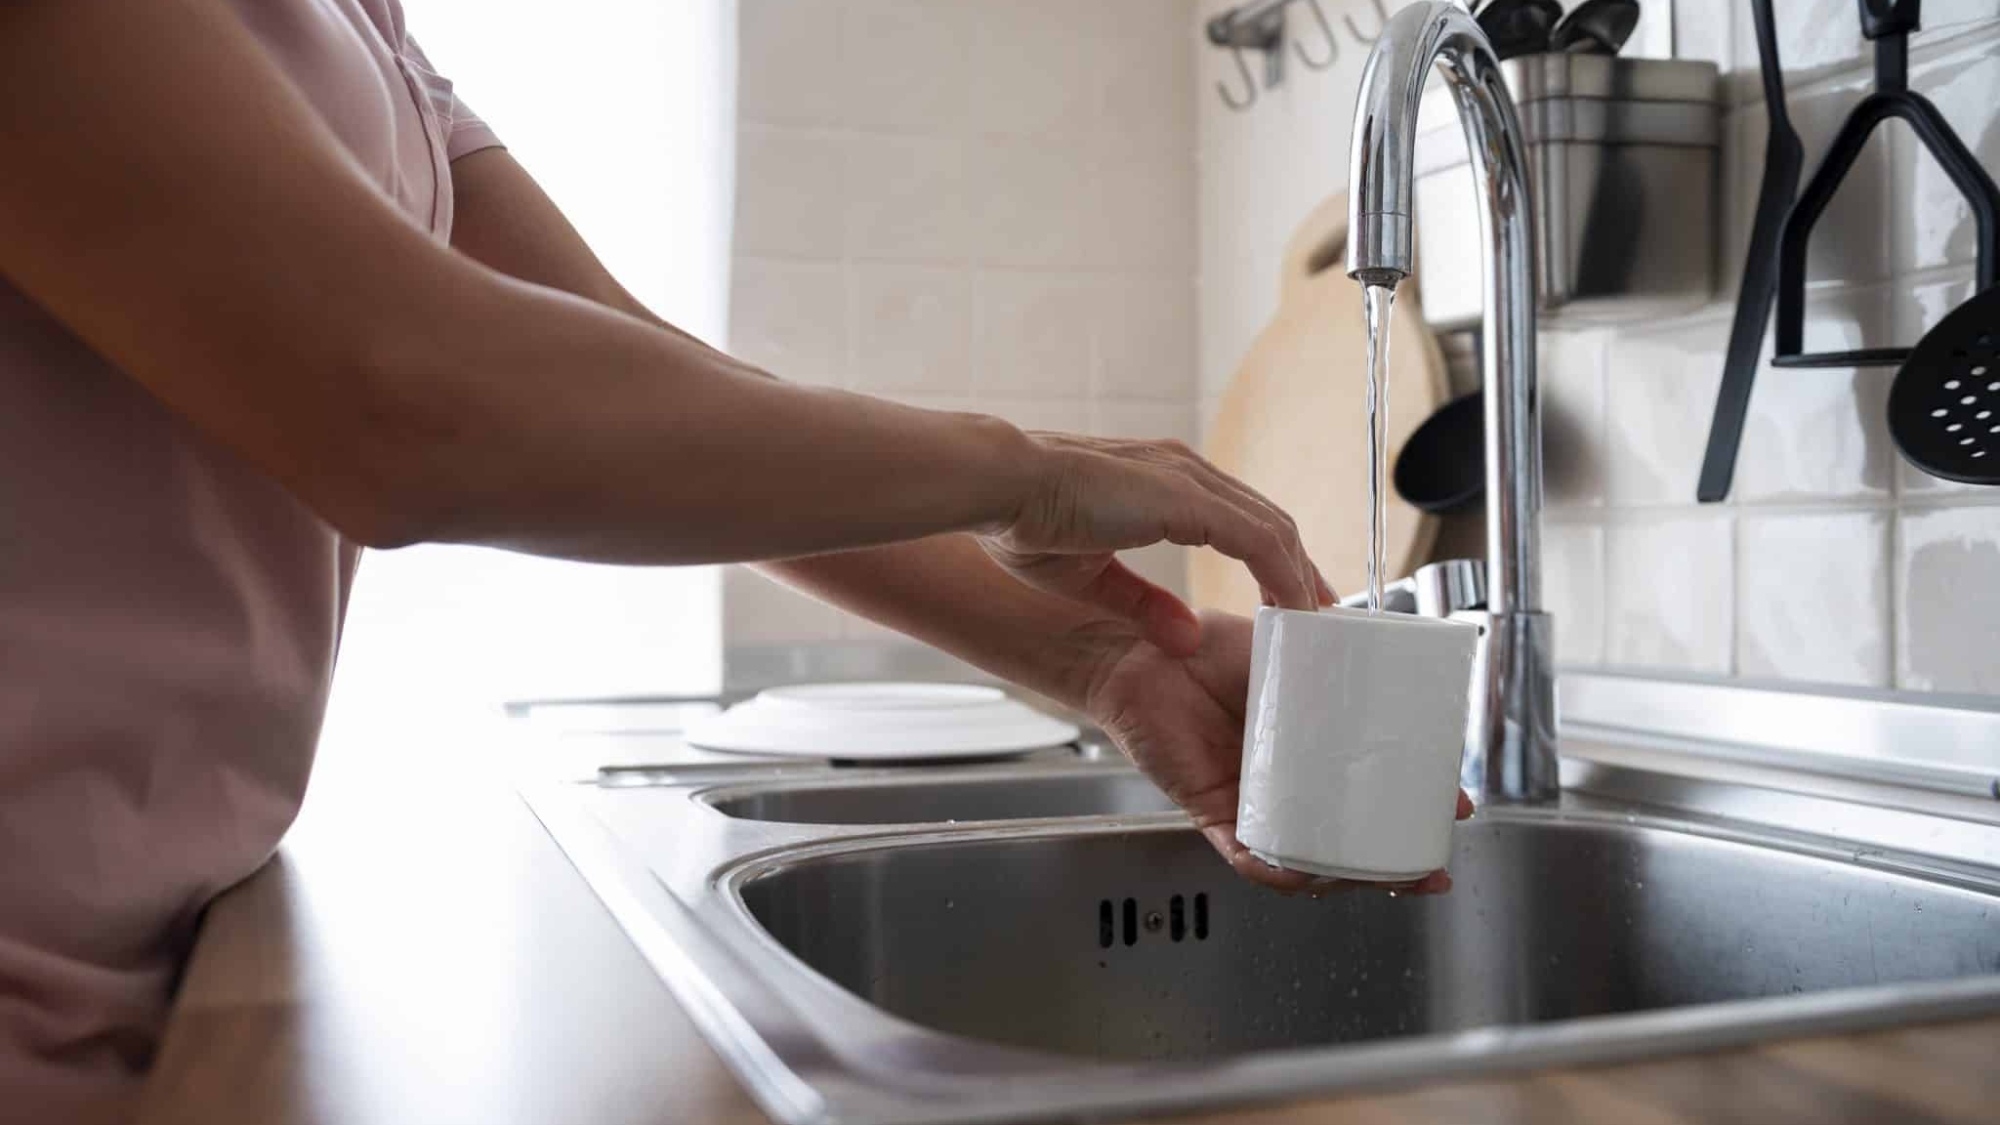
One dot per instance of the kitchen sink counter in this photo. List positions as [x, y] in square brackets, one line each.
[422, 952]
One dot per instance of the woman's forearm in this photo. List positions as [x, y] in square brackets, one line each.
[546, 423]
[946, 592]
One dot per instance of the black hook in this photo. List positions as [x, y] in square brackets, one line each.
[1249, 84]
[1265, 33]
[1326, 29]
[1381, 21]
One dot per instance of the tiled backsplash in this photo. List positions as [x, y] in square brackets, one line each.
[1005, 205]
[967, 204]
[1834, 562]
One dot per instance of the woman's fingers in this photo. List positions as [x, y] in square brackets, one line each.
[1256, 504]
[1222, 837]
[1268, 549]
[1099, 496]
[1103, 581]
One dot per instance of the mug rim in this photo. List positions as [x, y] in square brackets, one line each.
[1383, 620]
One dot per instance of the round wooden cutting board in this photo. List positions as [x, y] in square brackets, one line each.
[1291, 422]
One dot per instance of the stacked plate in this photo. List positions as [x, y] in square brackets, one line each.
[881, 722]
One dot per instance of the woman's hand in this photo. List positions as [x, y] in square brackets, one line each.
[1092, 497]
[1180, 719]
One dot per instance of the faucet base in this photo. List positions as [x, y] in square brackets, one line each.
[1510, 741]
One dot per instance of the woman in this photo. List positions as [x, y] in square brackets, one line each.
[272, 294]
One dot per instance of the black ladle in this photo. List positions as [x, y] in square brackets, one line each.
[1596, 27]
[1518, 27]
[1442, 467]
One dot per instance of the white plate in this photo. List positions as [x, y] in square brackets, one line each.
[881, 722]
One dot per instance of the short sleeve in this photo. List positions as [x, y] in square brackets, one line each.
[464, 131]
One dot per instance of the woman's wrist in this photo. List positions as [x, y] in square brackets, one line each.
[1006, 467]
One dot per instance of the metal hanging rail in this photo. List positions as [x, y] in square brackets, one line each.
[1260, 26]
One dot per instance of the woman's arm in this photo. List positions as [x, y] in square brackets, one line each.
[172, 199]
[944, 590]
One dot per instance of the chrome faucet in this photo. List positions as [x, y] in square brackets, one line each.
[1511, 750]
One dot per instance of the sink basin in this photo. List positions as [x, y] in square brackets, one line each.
[932, 800]
[1071, 949]
[1130, 945]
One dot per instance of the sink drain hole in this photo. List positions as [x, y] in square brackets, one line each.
[1123, 916]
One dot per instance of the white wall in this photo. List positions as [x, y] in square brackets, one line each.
[967, 204]
[1834, 562]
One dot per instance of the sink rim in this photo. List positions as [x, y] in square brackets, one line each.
[808, 1050]
[711, 796]
[729, 878]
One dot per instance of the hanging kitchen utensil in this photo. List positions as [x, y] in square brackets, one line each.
[1519, 27]
[1326, 32]
[1596, 27]
[1888, 24]
[1783, 159]
[1240, 30]
[1443, 466]
[1944, 408]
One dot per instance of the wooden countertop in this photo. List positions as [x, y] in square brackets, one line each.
[421, 953]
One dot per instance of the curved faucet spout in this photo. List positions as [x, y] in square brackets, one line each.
[1382, 178]
[1514, 757]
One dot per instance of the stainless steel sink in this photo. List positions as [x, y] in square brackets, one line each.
[1063, 953]
[1138, 944]
[936, 799]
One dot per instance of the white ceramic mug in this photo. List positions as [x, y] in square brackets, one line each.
[1352, 739]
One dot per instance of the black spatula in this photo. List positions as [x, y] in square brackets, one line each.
[1784, 159]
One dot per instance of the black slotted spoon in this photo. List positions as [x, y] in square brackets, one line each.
[1944, 408]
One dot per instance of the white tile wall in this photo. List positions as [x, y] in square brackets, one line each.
[1812, 597]
[1573, 583]
[1819, 433]
[967, 205]
[1668, 592]
[1834, 561]
[1947, 602]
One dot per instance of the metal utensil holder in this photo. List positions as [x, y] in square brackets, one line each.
[1624, 157]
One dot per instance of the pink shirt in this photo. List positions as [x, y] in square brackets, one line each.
[168, 623]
